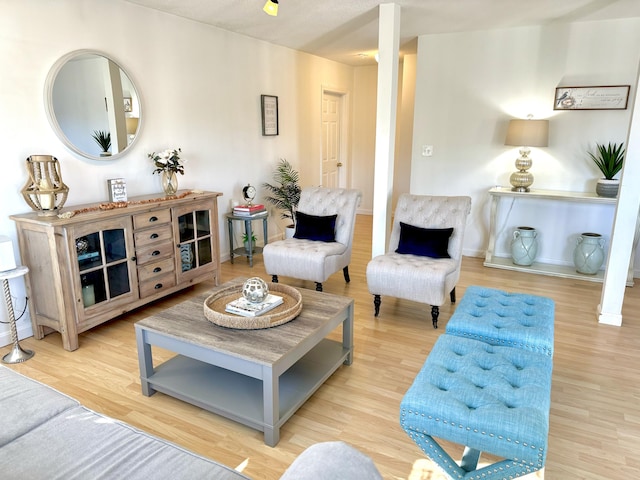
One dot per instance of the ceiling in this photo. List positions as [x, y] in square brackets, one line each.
[347, 30]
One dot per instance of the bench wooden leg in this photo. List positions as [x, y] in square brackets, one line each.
[435, 312]
[470, 459]
[376, 304]
[318, 287]
[345, 271]
[452, 295]
[274, 278]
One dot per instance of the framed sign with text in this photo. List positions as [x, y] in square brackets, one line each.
[117, 190]
[269, 105]
[592, 98]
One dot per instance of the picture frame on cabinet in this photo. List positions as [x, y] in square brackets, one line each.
[117, 190]
[269, 108]
[614, 97]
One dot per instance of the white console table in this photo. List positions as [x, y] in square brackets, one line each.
[564, 271]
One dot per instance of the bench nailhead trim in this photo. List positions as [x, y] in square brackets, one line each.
[452, 470]
[475, 430]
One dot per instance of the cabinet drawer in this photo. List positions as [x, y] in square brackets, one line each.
[157, 284]
[159, 234]
[154, 252]
[155, 269]
[144, 220]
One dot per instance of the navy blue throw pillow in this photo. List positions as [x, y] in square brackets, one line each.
[314, 227]
[426, 242]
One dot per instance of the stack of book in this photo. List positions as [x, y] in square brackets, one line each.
[242, 306]
[246, 210]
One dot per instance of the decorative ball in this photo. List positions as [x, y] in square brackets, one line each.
[82, 245]
[255, 290]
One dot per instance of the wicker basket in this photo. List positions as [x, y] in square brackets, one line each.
[214, 308]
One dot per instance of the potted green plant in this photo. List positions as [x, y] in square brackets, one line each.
[103, 139]
[284, 193]
[609, 160]
[245, 240]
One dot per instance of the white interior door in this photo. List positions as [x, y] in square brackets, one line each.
[332, 161]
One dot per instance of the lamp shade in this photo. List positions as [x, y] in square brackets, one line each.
[132, 125]
[528, 133]
[271, 7]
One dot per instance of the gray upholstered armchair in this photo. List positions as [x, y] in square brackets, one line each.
[321, 246]
[425, 252]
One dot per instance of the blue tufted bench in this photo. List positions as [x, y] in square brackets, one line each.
[502, 318]
[487, 387]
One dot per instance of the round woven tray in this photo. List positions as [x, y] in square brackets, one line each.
[215, 304]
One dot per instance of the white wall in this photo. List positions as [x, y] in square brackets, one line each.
[200, 89]
[404, 136]
[469, 85]
[364, 130]
[364, 133]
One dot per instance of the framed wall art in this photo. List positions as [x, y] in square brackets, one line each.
[613, 97]
[269, 105]
[128, 106]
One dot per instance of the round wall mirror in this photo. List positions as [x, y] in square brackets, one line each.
[93, 105]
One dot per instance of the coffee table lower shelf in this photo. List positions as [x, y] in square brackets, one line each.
[242, 398]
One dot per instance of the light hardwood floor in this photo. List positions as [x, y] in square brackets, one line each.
[595, 410]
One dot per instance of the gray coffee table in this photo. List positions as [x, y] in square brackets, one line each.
[255, 377]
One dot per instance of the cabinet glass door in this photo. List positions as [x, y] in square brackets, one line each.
[103, 265]
[194, 239]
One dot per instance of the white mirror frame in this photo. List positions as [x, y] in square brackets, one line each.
[49, 107]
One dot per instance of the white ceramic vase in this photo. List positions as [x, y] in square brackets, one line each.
[588, 255]
[524, 246]
[289, 231]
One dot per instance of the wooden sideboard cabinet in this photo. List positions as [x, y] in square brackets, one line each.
[101, 263]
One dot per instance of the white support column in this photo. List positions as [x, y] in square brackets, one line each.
[388, 51]
[624, 225]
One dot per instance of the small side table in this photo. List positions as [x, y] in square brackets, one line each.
[247, 219]
[17, 354]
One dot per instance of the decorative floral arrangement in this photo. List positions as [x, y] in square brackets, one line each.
[167, 161]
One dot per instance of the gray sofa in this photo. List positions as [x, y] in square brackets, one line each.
[45, 434]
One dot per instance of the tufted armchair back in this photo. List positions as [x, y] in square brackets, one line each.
[329, 201]
[307, 259]
[432, 212]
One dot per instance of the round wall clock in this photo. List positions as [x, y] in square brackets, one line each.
[249, 193]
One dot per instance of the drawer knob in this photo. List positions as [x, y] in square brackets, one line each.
[155, 253]
[154, 235]
[133, 259]
[153, 219]
[158, 286]
[157, 269]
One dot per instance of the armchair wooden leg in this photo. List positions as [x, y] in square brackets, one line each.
[376, 304]
[274, 278]
[452, 295]
[345, 270]
[318, 286]
[435, 311]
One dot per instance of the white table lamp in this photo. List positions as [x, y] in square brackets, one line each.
[525, 134]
